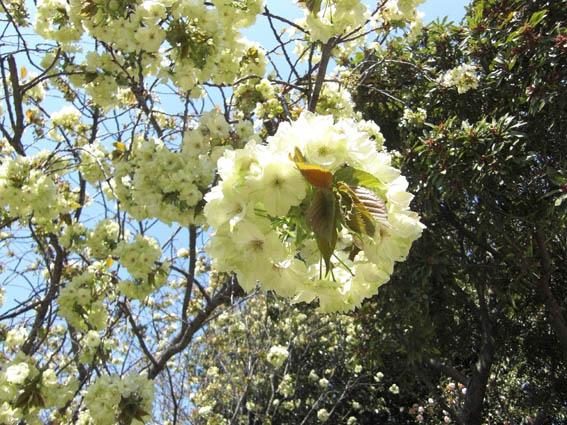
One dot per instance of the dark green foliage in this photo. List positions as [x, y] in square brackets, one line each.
[486, 282]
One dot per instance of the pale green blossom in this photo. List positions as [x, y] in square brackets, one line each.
[260, 186]
[463, 77]
[277, 355]
[323, 415]
[394, 389]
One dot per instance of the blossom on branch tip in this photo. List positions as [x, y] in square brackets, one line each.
[316, 213]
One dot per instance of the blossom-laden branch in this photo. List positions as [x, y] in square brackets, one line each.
[182, 339]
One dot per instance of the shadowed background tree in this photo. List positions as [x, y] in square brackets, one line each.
[482, 300]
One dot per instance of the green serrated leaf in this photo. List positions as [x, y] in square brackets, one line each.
[362, 208]
[361, 220]
[355, 215]
[354, 177]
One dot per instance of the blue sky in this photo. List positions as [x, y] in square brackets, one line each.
[454, 9]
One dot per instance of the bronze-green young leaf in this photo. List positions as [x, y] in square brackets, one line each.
[130, 409]
[356, 217]
[89, 9]
[322, 218]
[353, 251]
[314, 6]
[327, 248]
[24, 398]
[31, 397]
[317, 176]
[322, 214]
[372, 202]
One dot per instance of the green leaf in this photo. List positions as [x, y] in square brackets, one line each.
[508, 19]
[537, 17]
[515, 34]
[354, 177]
[555, 176]
[560, 200]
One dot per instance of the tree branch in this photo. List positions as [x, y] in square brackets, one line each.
[17, 95]
[471, 414]
[437, 365]
[323, 63]
[554, 309]
[183, 338]
[137, 331]
[54, 281]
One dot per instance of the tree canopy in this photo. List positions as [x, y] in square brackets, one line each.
[481, 299]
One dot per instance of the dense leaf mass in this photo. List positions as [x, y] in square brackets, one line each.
[483, 299]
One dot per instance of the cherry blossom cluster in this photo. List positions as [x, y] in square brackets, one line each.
[26, 388]
[333, 18]
[155, 181]
[402, 9]
[31, 186]
[116, 399]
[317, 212]
[463, 77]
[186, 42]
[82, 300]
[413, 119]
